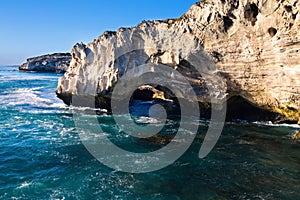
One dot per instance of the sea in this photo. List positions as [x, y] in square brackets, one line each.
[42, 155]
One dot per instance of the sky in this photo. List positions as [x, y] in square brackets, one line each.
[31, 28]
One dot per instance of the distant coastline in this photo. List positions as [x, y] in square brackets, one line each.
[56, 62]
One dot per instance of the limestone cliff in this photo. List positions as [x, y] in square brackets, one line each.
[254, 46]
[57, 62]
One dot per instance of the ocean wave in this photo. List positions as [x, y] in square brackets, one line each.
[269, 123]
[81, 108]
[30, 98]
[147, 120]
[23, 185]
[263, 123]
[19, 78]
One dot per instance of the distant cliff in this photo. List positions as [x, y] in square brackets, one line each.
[57, 62]
[254, 44]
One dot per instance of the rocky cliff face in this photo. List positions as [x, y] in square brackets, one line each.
[58, 62]
[253, 46]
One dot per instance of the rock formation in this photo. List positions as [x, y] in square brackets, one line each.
[57, 62]
[296, 136]
[253, 45]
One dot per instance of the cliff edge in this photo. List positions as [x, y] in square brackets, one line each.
[253, 45]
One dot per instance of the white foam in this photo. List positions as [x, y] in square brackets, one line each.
[32, 97]
[23, 185]
[266, 123]
[147, 120]
[18, 77]
[269, 123]
[81, 108]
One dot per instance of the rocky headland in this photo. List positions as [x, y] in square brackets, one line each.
[253, 46]
[57, 62]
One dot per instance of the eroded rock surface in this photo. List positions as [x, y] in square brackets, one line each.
[253, 46]
[296, 136]
[57, 62]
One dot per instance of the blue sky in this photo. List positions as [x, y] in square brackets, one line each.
[35, 27]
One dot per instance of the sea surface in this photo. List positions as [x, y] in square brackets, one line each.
[42, 155]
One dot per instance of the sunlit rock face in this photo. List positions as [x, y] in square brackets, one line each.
[225, 48]
[57, 62]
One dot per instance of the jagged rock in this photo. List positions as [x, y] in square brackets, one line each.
[57, 62]
[296, 136]
[253, 44]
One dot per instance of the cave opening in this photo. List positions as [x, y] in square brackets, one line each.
[251, 13]
[146, 96]
[227, 23]
[238, 108]
[272, 31]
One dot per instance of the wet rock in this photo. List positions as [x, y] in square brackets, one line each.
[296, 136]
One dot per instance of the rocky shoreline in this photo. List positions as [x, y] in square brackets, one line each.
[57, 62]
[253, 46]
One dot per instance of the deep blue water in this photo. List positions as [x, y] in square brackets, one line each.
[42, 156]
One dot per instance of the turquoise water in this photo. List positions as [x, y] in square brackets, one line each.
[42, 156]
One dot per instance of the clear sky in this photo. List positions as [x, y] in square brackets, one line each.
[30, 28]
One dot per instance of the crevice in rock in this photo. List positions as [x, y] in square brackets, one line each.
[251, 12]
[208, 18]
[216, 56]
[288, 8]
[155, 55]
[227, 23]
[272, 31]
[294, 16]
[232, 16]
